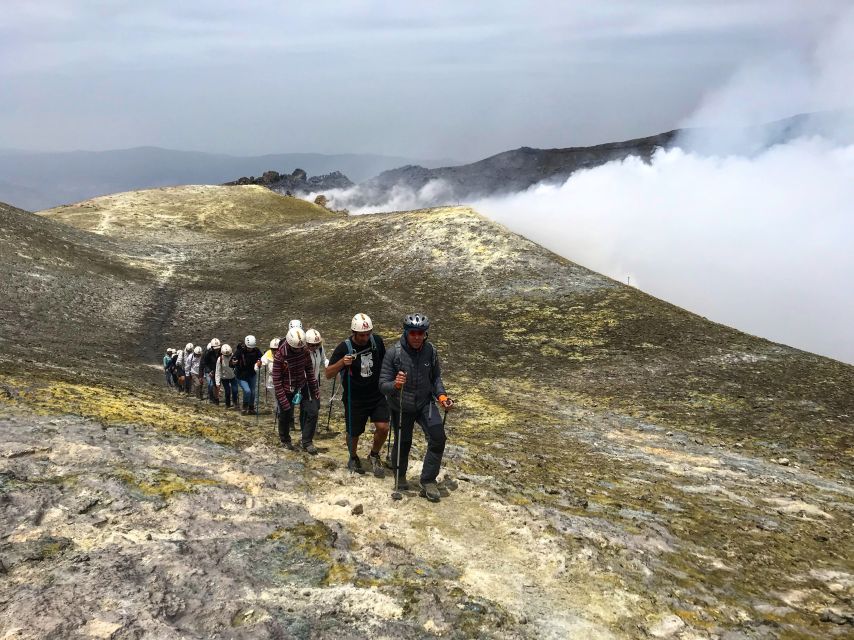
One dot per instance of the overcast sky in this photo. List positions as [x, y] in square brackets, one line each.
[440, 79]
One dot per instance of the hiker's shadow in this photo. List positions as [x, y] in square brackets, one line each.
[326, 435]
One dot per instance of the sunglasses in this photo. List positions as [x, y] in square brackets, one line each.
[417, 333]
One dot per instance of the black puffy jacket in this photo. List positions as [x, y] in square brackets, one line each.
[243, 361]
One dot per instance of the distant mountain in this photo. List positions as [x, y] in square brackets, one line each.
[516, 170]
[34, 180]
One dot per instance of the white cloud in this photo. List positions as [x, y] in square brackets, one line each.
[761, 244]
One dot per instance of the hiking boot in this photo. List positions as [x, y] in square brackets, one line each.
[377, 465]
[244, 411]
[355, 465]
[310, 449]
[430, 490]
[402, 484]
[251, 411]
[286, 444]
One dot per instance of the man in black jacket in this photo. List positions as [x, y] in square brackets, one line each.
[411, 379]
[245, 362]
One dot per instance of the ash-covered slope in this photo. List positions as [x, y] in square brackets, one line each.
[199, 209]
[70, 299]
[618, 467]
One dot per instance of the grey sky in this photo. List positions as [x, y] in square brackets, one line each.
[438, 79]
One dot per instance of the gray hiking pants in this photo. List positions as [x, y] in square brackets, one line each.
[429, 419]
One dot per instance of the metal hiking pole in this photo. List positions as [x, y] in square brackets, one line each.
[257, 394]
[349, 422]
[331, 400]
[398, 436]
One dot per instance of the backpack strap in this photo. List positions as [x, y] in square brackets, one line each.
[432, 363]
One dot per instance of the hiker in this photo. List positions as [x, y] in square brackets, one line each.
[183, 374]
[245, 362]
[309, 408]
[173, 369]
[267, 364]
[224, 378]
[192, 364]
[166, 360]
[358, 359]
[293, 379]
[412, 375]
[208, 367]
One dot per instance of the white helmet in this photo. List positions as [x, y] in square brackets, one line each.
[226, 350]
[312, 336]
[274, 343]
[296, 338]
[189, 347]
[295, 323]
[197, 351]
[250, 342]
[361, 322]
[215, 343]
[170, 351]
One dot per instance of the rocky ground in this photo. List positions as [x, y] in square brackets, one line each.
[618, 467]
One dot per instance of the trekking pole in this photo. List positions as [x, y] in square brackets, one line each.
[398, 433]
[257, 394]
[331, 400]
[349, 420]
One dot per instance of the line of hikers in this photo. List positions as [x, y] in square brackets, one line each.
[402, 386]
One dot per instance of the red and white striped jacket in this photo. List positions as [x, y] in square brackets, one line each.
[292, 370]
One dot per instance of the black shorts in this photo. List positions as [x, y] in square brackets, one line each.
[376, 411]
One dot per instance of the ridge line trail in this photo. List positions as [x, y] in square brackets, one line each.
[159, 310]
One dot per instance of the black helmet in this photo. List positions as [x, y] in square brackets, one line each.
[416, 321]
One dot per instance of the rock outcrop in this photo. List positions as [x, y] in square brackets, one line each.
[298, 182]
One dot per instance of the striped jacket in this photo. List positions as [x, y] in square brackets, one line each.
[292, 370]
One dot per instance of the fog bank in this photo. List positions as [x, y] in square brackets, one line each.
[761, 244]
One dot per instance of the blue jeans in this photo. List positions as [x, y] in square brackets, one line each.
[229, 390]
[248, 386]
